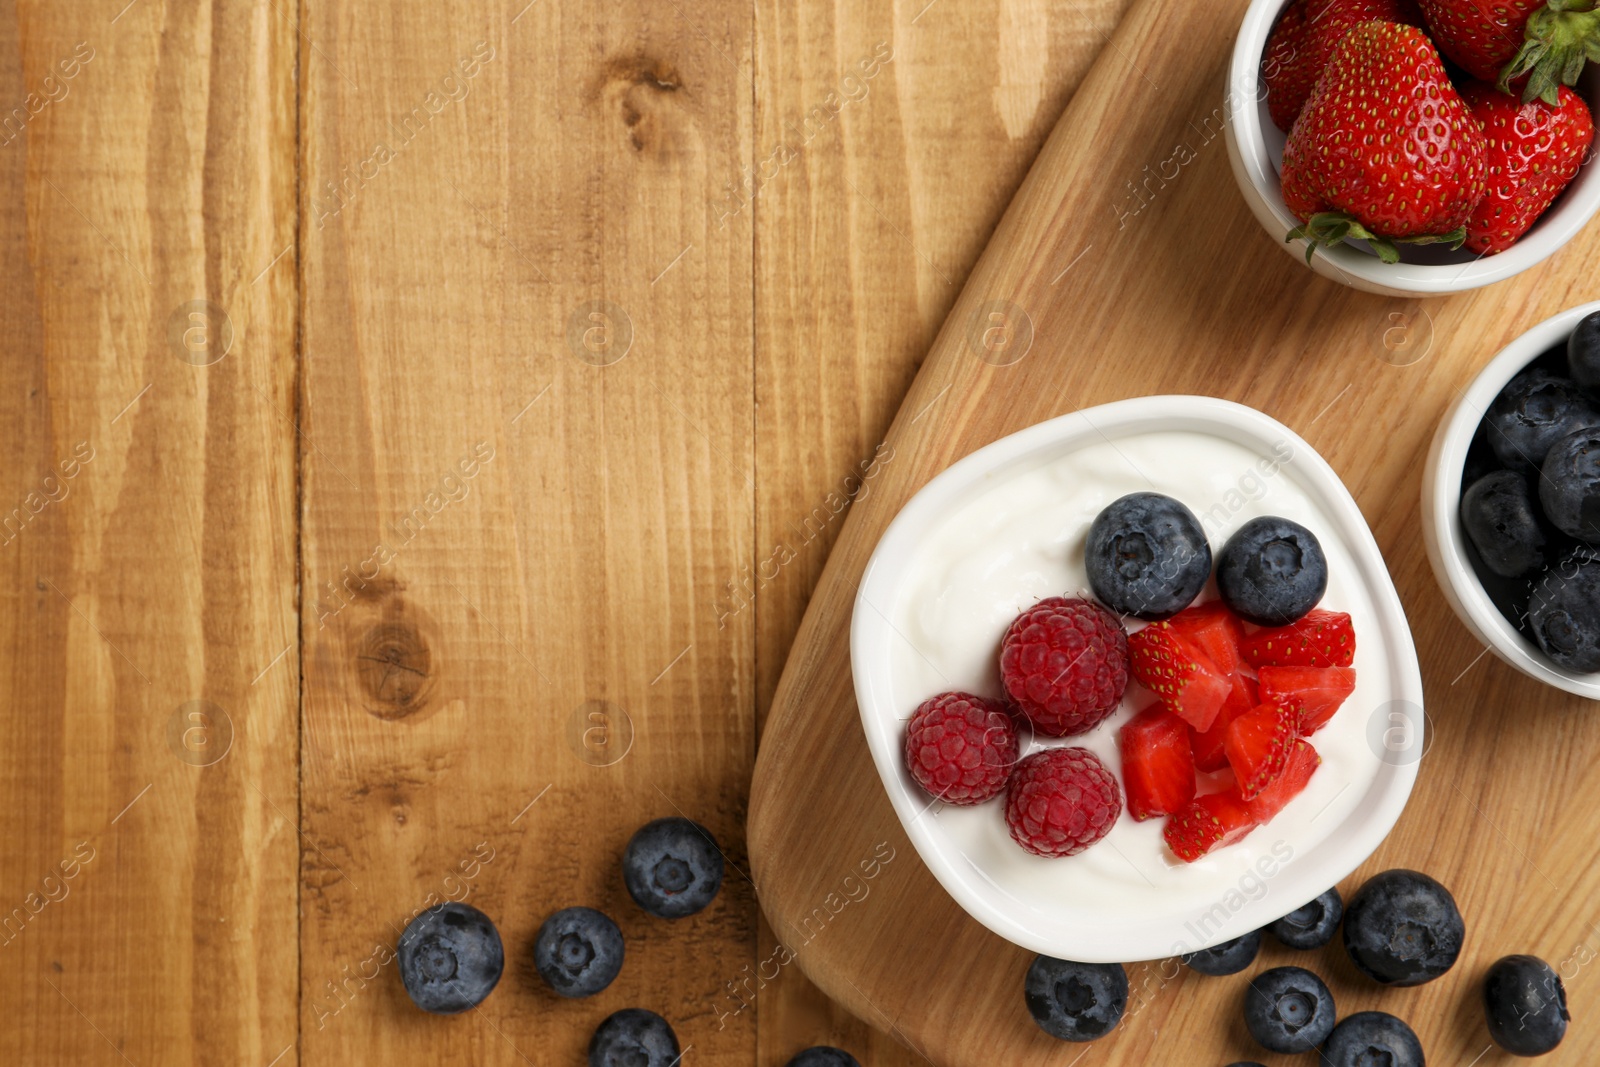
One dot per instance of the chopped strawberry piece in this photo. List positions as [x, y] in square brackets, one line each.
[1183, 677]
[1206, 823]
[1216, 630]
[1258, 745]
[1303, 763]
[1207, 745]
[1321, 639]
[1312, 693]
[1157, 764]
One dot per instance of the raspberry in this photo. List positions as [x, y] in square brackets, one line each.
[961, 748]
[1061, 801]
[1065, 663]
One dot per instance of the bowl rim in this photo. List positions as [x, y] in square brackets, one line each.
[872, 634]
[1253, 165]
[1441, 500]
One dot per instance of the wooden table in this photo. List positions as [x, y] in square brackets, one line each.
[411, 404]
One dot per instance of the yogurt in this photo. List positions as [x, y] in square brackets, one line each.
[1019, 538]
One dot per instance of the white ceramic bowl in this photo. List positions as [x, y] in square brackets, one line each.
[1090, 907]
[1441, 508]
[1255, 148]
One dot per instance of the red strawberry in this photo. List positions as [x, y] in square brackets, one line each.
[1172, 667]
[1385, 151]
[1209, 754]
[1157, 764]
[1504, 40]
[1216, 630]
[1305, 37]
[1321, 639]
[1208, 822]
[1534, 152]
[1312, 693]
[1258, 745]
[1303, 763]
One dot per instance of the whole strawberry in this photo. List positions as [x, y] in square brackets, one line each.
[1386, 150]
[1503, 41]
[1306, 36]
[1534, 152]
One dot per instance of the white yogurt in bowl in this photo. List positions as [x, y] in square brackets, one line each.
[1004, 528]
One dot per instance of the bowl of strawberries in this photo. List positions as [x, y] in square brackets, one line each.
[1417, 147]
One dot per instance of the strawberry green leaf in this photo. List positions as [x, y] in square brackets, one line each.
[1561, 37]
[1328, 228]
[1455, 238]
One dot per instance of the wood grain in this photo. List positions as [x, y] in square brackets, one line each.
[1179, 291]
[514, 663]
[897, 135]
[147, 532]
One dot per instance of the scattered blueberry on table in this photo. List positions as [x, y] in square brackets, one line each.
[1372, 1037]
[672, 867]
[1311, 925]
[1288, 1009]
[1147, 556]
[1230, 957]
[1402, 928]
[450, 958]
[1076, 1001]
[1525, 1005]
[633, 1037]
[578, 952]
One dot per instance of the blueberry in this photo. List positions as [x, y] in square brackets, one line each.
[1534, 411]
[1230, 957]
[450, 958]
[1564, 613]
[1526, 1005]
[1402, 928]
[672, 867]
[633, 1037]
[824, 1056]
[1569, 485]
[1583, 353]
[1288, 1009]
[1147, 556]
[1311, 925]
[1076, 1001]
[1372, 1038]
[1272, 571]
[1498, 513]
[578, 951]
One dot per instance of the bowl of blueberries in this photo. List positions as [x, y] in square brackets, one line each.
[1511, 503]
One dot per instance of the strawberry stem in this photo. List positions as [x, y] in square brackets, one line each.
[1328, 228]
[1561, 36]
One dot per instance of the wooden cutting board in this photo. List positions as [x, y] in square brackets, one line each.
[1121, 271]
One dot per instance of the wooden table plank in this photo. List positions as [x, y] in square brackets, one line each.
[533, 281]
[897, 134]
[1185, 294]
[147, 505]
